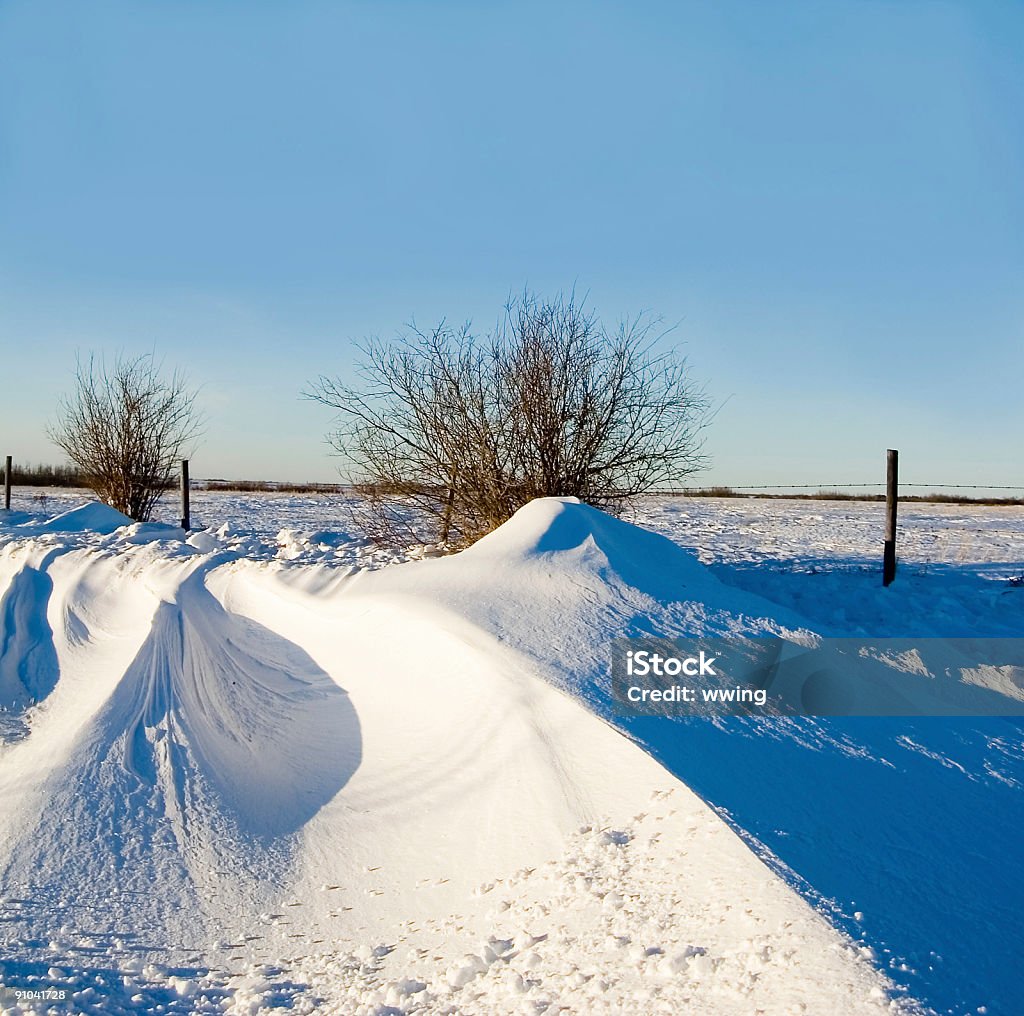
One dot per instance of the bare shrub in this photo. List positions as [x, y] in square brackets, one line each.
[459, 432]
[125, 427]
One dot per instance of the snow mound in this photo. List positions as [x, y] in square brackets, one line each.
[572, 578]
[566, 526]
[93, 517]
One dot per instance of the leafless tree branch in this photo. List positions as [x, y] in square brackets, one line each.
[459, 433]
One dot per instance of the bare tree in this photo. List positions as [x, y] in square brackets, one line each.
[126, 427]
[461, 432]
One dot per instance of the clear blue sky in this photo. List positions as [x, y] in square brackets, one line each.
[827, 197]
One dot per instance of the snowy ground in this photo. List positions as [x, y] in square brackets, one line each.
[823, 559]
[794, 535]
[264, 769]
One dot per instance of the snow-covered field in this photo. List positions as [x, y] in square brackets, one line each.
[274, 765]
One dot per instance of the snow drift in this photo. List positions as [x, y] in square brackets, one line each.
[382, 787]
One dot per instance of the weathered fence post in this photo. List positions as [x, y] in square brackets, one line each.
[891, 500]
[7, 483]
[186, 516]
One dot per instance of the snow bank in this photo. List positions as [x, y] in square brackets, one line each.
[371, 792]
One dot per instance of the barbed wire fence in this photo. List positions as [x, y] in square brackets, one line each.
[940, 546]
[826, 487]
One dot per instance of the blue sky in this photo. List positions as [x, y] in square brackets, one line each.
[826, 198]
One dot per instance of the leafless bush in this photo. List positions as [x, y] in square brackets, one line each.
[125, 427]
[461, 432]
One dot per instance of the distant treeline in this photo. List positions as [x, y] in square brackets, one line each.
[44, 476]
[842, 495]
[29, 475]
[270, 486]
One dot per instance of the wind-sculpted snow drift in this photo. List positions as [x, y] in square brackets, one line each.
[346, 793]
[205, 747]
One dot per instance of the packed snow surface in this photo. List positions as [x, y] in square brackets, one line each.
[254, 768]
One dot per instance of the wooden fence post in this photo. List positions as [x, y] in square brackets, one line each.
[7, 483]
[186, 516]
[891, 501]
